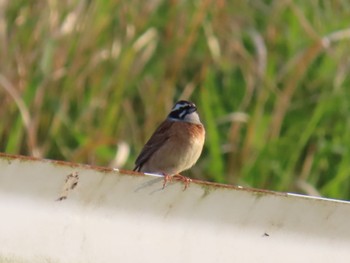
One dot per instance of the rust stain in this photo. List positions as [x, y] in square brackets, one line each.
[238, 188]
[259, 192]
[206, 191]
[70, 183]
[22, 158]
[129, 172]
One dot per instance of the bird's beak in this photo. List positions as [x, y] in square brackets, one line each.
[192, 109]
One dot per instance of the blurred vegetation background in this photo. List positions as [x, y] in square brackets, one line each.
[89, 81]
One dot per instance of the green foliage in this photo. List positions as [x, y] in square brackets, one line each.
[270, 78]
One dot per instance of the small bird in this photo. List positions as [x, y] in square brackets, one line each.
[175, 145]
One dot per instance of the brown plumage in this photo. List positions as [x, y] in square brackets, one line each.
[175, 145]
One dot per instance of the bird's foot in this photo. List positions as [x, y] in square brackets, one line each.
[184, 179]
[167, 178]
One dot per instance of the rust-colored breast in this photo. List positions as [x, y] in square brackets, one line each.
[179, 151]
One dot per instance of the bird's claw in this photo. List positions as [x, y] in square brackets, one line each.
[167, 178]
[179, 177]
[184, 179]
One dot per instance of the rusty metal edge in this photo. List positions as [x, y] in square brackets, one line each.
[195, 181]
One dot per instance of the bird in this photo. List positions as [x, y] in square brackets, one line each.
[176, 144]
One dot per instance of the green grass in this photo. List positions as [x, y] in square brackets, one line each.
[270, 78]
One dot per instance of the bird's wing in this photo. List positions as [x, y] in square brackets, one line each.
[158, 138]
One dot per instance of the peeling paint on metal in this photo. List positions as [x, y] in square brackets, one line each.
[124, 216]
[70, 183]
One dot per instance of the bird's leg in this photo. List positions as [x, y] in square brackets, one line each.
[184, 179]
[167, 178]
